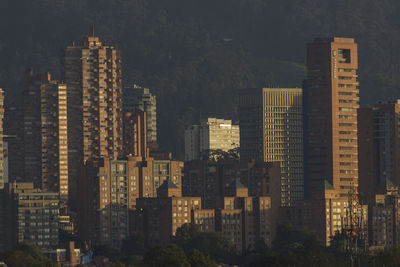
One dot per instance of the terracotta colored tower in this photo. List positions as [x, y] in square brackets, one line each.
[331, 96]
[92, 72]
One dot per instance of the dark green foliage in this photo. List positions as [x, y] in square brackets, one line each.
[294, 248]
[134, 245]
[26, 255]
[289, 239]
[114, 254]
[199, 259]
[170, 256]
[189, 237]
[389, 257]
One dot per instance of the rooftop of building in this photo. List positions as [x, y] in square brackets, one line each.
[236, 184]
[167, 184]
[334, 39]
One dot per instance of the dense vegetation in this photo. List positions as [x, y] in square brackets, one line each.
[194, 54]
[193, 248]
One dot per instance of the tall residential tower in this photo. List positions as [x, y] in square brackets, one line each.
[331, 114]
[39, 147]
[92, 72]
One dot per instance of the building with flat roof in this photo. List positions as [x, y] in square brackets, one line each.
[271, 130]
[331, 93]
[159, 217]
[32, 215]
[379, 148]
[211, 134]
[38, 146]
[209, 179]
[245, 220]
[330, 98]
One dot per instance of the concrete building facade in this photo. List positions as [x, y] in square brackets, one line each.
[271, 130]
[32, 216]
[212, 134]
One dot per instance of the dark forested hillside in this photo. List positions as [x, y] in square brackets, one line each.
[195, 54]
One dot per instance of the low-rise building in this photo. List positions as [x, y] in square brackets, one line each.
[159, 217]
[33, 215]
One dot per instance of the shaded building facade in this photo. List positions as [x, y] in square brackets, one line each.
[244, 220]
[137, 97]
[38, 147]
[379, 148]
[271, 130]
[158, 218]
[32, 215]
[332, 96]
[209, 179]
[331, 101]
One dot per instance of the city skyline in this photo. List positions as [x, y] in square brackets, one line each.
[90, 165]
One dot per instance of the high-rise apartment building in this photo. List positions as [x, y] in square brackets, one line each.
[379, 148]
[331, 94]
[92, 72]
[331, 144]
[109, 188]
[212, 134]
[137, 97]
[39, 146]
[271, 130]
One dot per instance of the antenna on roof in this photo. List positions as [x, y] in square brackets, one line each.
[92, 30]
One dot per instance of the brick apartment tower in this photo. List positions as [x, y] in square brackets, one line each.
[379, 148]
[331, 97]
[271, 130]
[92, 73]
[40, 126]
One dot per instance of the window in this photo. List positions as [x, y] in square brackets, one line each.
[345, 93]
[344, 55]
[344, 70]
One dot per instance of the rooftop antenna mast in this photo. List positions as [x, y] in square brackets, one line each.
[92, 30]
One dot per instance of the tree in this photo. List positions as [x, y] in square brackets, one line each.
[171, 256]
[26, 255]
[189, 237]
[199, 259]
